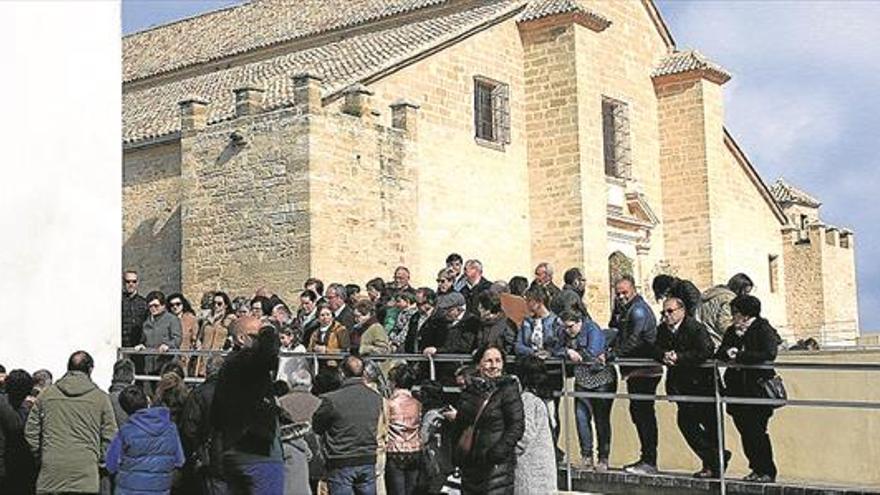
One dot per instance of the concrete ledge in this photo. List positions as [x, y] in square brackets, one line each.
[616, 481]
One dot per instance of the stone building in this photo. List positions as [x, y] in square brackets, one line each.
[273, 141]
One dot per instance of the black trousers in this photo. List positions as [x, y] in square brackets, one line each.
[642, 414]
[698, 424]
[751, 422]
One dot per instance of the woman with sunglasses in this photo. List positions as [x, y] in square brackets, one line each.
[189, 326]
[215, 329]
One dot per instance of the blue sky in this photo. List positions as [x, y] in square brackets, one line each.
[801, 103]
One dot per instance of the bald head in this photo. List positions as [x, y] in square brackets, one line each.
[244, 329]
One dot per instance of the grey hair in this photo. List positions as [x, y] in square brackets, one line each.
[547, 267]
[300, 378]
[339, 289]
[475, 263]
[676, 300]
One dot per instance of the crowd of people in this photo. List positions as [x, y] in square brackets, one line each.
[266, 420]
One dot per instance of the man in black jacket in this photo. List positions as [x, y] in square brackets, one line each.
[683, 343]
[474, 283]
[244, 414]
[636, 335]
[203, 471]
[336, 297]
[134, 309]
[348, 418]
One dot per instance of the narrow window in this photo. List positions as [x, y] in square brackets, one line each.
[773, 264]
[491, 111]
[616, 138]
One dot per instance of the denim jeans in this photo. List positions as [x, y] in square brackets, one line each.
[592, 409]
[254, 478]
[401, 478]
[350, 480]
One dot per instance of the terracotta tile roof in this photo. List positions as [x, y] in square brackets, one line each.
[246, 27]
[690, 60]
[153, 111]
[538, 9]
[783, 192]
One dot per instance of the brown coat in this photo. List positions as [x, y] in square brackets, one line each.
[337, 338]
[213, 336]
[189, 327]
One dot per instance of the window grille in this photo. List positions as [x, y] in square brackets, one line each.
[616, 138]
[491, 111]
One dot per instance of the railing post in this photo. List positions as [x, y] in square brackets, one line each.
[565, 429]
[315, 364]
[432, 373]
[719, 415]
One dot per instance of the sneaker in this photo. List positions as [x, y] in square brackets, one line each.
[705, 473]
[765, 478]
[642, 468]
[751, 476]
[631, 465]
[601, 466]
[585, 463]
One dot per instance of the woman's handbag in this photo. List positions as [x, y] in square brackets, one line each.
[468, 437]
[773, 389]
[586, 376]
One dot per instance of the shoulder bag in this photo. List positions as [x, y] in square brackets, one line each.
[468, 437]
[773, 389]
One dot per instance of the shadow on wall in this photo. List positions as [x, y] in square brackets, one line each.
[160, 163]
[153, 249]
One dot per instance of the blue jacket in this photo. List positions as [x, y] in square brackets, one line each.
[589, 342]
[145, 452]
[551, 324]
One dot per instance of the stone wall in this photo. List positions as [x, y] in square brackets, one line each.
[471, 198]
[555, 196]
[364, 204]
[246, 213]
[821, 298]
[839, 284]
[685, 175]
[617, 63]
[745, 234]
[151, 230]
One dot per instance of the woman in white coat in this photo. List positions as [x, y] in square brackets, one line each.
[535, 456]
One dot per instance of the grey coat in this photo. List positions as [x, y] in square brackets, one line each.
[535, 456]
[164, 329]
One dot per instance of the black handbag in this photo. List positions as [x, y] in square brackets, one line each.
[773, 389]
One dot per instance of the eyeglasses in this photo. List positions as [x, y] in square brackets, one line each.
[441, 280]
[669, 311]
[177, 303]
[154, 305]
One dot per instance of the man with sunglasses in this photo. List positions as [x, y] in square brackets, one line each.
[134, 309]
[683, 343]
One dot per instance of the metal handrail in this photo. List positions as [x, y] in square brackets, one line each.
[720, 400]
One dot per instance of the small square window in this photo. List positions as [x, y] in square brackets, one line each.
[491, 111]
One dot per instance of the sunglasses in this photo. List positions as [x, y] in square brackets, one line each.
[177, 303]
[669, 311]
[131, 281]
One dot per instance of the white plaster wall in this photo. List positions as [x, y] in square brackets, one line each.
[60, 193]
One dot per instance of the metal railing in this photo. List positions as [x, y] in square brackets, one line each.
[718, 398]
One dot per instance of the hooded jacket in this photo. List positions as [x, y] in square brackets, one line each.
[69, 428]
[145, 452]
[715, 310]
